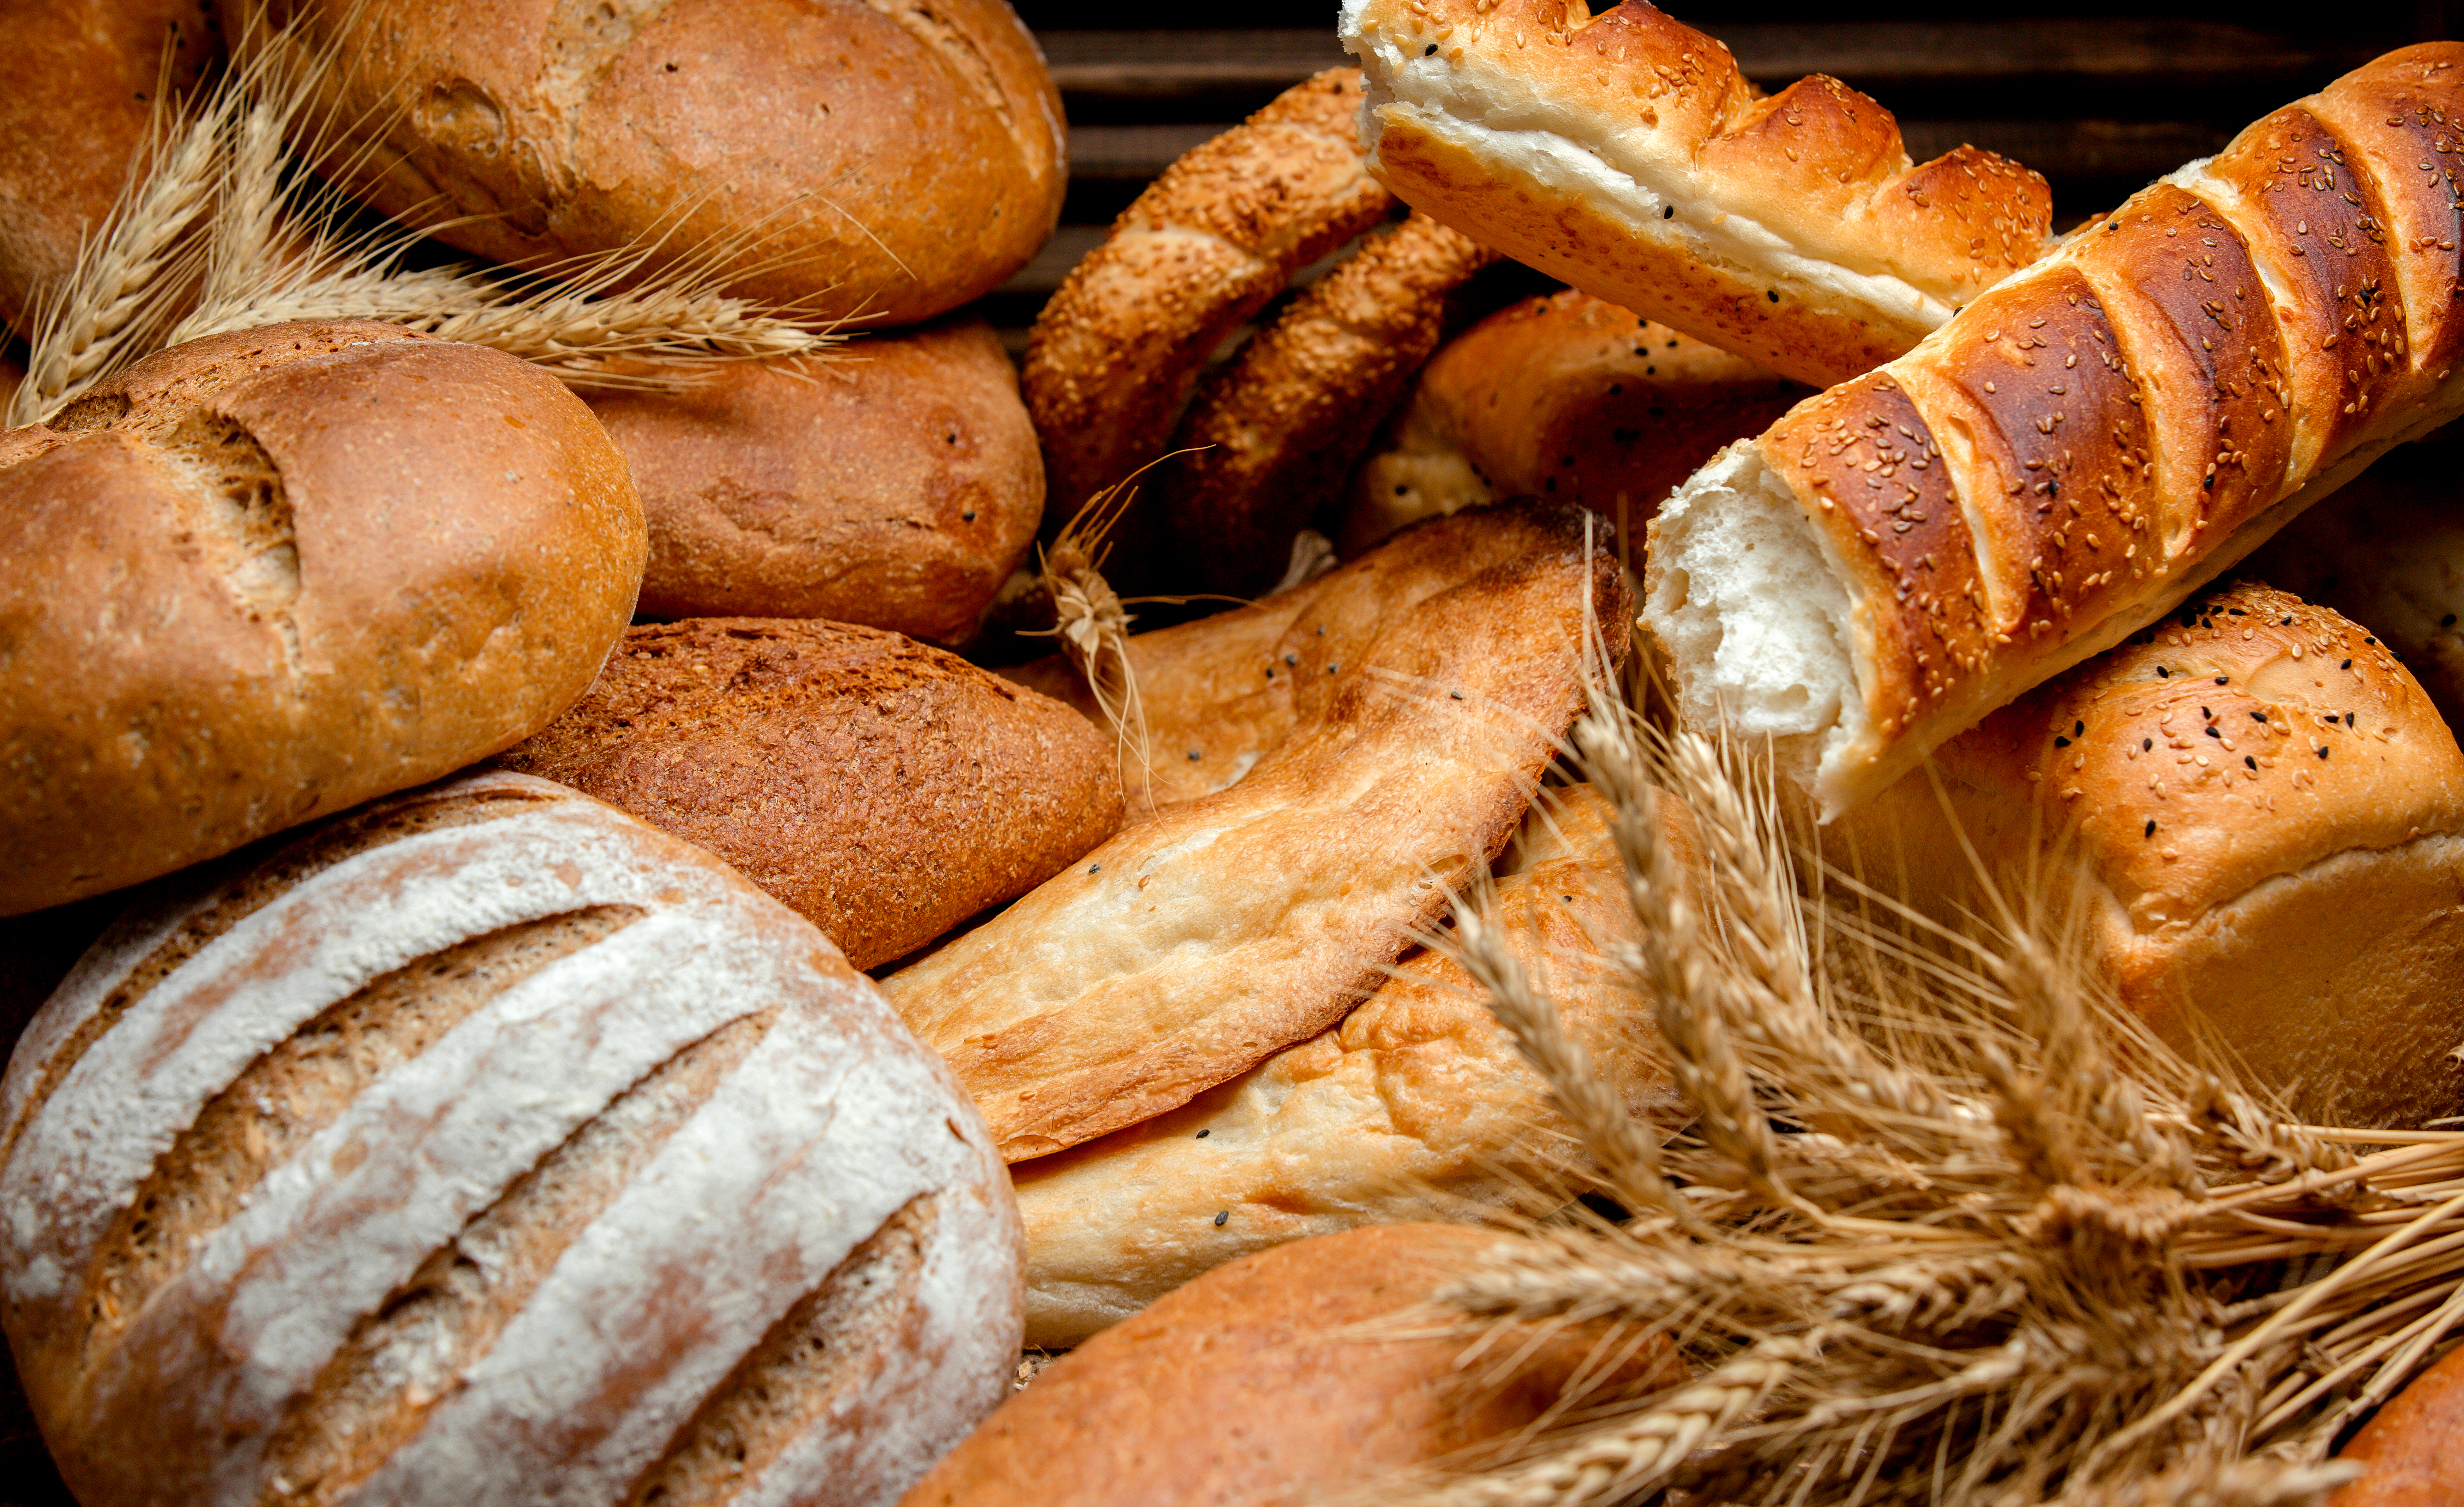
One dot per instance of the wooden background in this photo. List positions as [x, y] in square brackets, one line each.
[2099, 97]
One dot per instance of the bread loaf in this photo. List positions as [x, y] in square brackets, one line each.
[2407, 1449]
[485, 1146]
[2267, 816]
[80, 82]
[268, 575]
[882, 161]
[1190, 947]
[2084, 448]
[1278, 1380]
[1566, 396]
[883, 790]
[1626, 154]
[1416, 1106]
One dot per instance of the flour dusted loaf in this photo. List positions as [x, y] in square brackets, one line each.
[2084, 448]
[268, 575]
[885, 791]
[880, 160]
[1416, 1107]
[2267, 817]
[897, 487]
[484, 1146]
[1626, 154]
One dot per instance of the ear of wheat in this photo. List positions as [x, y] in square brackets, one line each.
[1949, 1227]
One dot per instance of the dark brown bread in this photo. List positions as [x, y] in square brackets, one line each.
[78, 80]
[268, 575]
[2409, 1450]
[887, 161]
[1267, 1381]
[885, 791]
[897, 488]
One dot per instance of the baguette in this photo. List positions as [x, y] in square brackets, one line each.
[1626, 154]
[2084, 448]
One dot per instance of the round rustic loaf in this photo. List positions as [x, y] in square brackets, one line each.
[897, 488]
[79, 80]
[268, 575]
[2407, 1449]
[875, 161]
[883, 789]
[486, 1145]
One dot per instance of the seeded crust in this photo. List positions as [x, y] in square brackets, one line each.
[2269, 816]
[1416, 1107]
[1270, 1377]
[1566, 396]
[1114, 353]
[1624, 153]
[2105, 433]
[1276, 430]
[897, 488]
[229, 611]
[884, 162]
[1190, 947]
[883, 790]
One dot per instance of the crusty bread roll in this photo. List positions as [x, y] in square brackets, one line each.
[2084, 448]
[486, 1145]
[1184, 950]
[1116, 348]
[882, 161]
[883, 790]
[1567, 396]
[2409, 1450]
[2387, 551]
[1416, 1106]
[1626, 154]
[2267, 816]
[896, 488]
[271, 574]
[1281, 1379]
[80, 84]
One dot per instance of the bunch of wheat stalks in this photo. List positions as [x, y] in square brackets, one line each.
[1949, 1226]
[225, 223]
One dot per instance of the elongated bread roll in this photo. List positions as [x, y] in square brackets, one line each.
[1416, 1107]
[1190, 945]
[486, 1145]
[2267, 815]
[2084, 446]
[1626, 154]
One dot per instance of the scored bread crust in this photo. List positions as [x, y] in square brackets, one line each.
[1114, 350]
[2105, 433]
[1625, 153]
[1185, 949]
[485, 1145]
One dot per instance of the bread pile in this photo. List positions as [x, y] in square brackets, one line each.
[481, 1093]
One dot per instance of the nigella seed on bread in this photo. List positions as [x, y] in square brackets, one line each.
[267, 575]
[883, 789]
[486, 1145]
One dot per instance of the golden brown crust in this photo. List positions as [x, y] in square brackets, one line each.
[884, 161]
[896, 488]
[271, 574]
[2408, 1448]
[1276, 430]
[1623, 152]
[883, 790]
[1266, 1381]
[1166, 963]
[2399, 110]
[1203, 248]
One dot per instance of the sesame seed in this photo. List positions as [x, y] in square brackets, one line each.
[1093, 866]
[2062, 743]
[1221, 1216]
[2146, 744]
[2322, 753]
[1193, 755]
[1457, 694]
[2248, 759]
[1202, 1135]
[2346, 665]
[2152, 827]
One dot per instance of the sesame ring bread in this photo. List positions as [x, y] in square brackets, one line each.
[1115, 351]
[1626, 154]
[2084, 446]
[1275, 429]
[1566, 396]
[486, 1145]
[2267, 818]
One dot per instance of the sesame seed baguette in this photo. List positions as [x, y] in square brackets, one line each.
[2087, 445]
[1626, 154]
